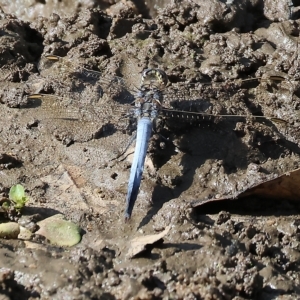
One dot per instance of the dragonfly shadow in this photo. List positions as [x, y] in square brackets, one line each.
[216, 151]
[32, 103]
[210, 142]
[8, 161]
[39, 212]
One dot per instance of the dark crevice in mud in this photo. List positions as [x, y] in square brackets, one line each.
[218, 27]
[8, 161]
[35, 41]
[161, 150]
[33, 36]
[153, 282]
[105, 131]
[15, 291]
[296, 92]
[275, 150]
[61, 51]
[104, 51]
[294, 10]
[250, 206]
[102, 24]
[12, 53]
[142, 8]
[107, 296]
[6, 245]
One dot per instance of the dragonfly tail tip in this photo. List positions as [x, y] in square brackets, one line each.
[127, 217]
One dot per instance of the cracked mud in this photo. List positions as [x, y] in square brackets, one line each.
[232, 249]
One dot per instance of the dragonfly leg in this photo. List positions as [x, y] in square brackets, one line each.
[132, 139]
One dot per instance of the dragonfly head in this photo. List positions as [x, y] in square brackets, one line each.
[154, 78]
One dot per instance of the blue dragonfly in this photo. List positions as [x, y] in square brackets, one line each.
[79, 102]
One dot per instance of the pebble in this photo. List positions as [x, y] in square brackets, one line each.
[9, 230]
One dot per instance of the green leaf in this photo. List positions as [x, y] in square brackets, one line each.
[5, 205]
[17, 196]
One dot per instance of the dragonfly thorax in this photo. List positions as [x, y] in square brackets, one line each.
[149, 105]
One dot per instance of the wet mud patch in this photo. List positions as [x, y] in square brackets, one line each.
[243, 249]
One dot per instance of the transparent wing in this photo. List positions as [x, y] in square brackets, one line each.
[224, 99]
[75, 121]
[81, 104]
[72, 73]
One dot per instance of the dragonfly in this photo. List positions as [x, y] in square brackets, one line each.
[143, 107]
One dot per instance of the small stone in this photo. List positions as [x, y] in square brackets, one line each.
[59, 231]
[24, 234]
[287, 228]
[9, 230]
[250, 231]
[291, 254]
[223, 217]
[281, 283]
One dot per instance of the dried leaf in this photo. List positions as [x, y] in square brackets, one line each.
[138, 244]
[285, 187]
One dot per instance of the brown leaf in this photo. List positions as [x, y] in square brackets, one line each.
[285, 187]
[138, 244]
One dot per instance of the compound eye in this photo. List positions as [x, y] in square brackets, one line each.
[162, 76]
[145, 72]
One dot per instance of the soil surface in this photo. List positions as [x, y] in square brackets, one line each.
[241, 248]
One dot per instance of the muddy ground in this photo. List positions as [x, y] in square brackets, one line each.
[232, 249]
